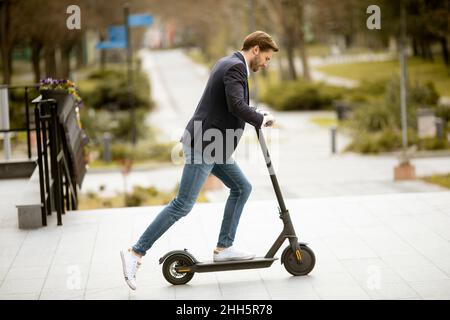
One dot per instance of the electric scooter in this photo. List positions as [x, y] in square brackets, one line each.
[179, 266]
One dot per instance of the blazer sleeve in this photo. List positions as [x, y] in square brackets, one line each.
[235, 81]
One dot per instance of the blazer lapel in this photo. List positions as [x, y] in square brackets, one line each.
[247, 91]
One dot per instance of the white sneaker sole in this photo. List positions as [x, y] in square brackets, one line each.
[124, 269]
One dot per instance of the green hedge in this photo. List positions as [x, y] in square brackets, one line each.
[299, 95]
[381, 141]
[376, 123]
[141, 152]
[108, 89]
[105, 97]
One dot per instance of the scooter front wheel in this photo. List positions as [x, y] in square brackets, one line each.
[170, 272]
[302, 268]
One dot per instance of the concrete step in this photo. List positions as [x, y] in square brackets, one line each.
[29, 206]
[13, 169]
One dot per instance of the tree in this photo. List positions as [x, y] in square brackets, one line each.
[6, 39]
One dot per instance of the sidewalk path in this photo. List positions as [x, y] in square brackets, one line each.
[367, 247]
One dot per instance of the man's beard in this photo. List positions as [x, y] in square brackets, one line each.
[254, 63]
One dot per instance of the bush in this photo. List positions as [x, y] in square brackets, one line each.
[142, 152]
[17, 115]
[372, 118]
[443, 112]
[419, 96]
[141, 195]
[118, 124]
[300, 95]
[377, 124]
[108, 89]
[425, 94]
[372, 88]
[432, 144]
[382, 141]
[367, 91]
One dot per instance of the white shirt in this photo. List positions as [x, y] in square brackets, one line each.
[246, 65]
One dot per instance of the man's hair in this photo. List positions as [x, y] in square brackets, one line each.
[260, 39]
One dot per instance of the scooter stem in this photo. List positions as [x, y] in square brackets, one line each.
[272, 174]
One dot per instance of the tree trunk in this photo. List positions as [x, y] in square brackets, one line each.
[423, 53]
[292, 73]
[304, 58]
[5, 34]
[429, 51]
[281, 68]
[444, 48]
[65, 61]
[36, 48]
[7, 64]
[103, 54]
[80, 54]
[50, 62]
[289, 38]
[414, 47]
[10, 60]
[301, 39]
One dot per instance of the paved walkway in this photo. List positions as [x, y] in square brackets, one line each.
[367, 247]
[9, 196]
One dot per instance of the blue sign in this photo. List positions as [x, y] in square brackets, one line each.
[140, 20]
[117, 38]
[111, 45]
[117, 35]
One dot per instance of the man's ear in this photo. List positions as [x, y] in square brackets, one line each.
[255, 50]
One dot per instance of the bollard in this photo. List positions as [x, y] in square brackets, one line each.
[439, 128]
[4, 120]
[333, 140]
[107, 147]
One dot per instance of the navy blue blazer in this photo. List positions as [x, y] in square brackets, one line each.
[223, 105]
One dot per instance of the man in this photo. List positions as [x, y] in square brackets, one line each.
[221, 113]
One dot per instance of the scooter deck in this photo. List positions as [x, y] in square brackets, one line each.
[211, 266]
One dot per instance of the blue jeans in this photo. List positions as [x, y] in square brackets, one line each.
[192, 180]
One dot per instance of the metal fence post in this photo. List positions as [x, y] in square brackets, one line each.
[333, 140]
[107, 147]
[53, 125]
[4, 121]
[27, 117]
[39, 158]
[439, 128]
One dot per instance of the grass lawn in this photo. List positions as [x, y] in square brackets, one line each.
[147, 197]
[441, 180]
[418, 70]
[325, 122]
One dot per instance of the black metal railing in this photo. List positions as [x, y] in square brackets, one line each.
[57, 180]
[26, 101]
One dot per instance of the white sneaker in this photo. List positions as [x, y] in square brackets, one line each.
[231, 254]
[130, 265]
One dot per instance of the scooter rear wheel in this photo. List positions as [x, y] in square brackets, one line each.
[171, 275]
[306, 265]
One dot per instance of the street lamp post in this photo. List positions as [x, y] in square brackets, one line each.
[404, 171]
[403, 76]
[131, 106]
